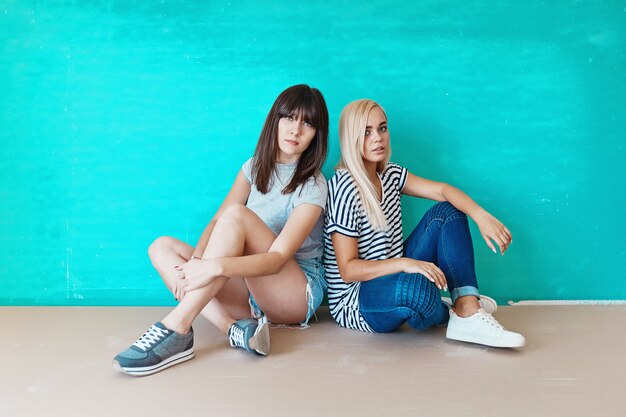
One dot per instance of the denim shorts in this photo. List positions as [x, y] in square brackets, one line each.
[315, 288]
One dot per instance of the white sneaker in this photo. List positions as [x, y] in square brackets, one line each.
[482, 328]
[486, 303]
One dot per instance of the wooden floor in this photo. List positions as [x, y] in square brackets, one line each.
[57, 362]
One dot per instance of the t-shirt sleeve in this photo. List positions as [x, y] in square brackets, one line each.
[399, 175]
[314, 191]
[246, 168]
[342, 211]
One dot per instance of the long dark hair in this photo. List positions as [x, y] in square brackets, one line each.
[308, 103]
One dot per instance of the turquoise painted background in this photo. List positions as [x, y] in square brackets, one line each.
[124, 120]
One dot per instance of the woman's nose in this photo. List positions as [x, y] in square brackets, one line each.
[296, 129]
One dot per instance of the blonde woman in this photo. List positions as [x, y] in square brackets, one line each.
[377, 282]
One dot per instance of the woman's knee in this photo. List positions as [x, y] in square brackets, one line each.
[446, 211]
[160, 245]
[234, 213]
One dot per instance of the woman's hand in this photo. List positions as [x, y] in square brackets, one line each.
[199, 272]
[492, 229]
[179, 288]
[428, 269]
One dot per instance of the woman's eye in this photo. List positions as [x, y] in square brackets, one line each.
[307, 124]
[383, 128]
[290, 118]
[367, 132]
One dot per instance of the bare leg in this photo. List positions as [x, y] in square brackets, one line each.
[230, 304]
[237, 232]
[167, 252]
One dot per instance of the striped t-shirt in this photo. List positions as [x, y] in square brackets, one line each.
[345, 215]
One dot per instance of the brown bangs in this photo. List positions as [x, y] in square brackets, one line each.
[300, 106]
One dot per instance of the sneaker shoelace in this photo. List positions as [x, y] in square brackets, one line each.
[237, 336]
[491, 320]
[153, 335]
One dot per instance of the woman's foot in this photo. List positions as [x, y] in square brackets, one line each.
[482, 328]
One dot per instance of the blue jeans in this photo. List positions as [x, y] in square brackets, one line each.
[443, 238]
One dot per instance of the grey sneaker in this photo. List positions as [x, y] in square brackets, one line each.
[158, 349]
[486, 303]
[251, 334]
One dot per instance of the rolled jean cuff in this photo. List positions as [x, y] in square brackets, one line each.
[463, 291]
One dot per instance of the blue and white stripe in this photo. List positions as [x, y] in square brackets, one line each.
[345, 215]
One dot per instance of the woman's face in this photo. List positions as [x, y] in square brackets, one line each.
[294, 137]
[376, 140]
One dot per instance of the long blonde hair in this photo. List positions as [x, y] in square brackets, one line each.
[352, 124]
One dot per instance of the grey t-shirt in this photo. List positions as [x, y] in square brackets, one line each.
[274, 207]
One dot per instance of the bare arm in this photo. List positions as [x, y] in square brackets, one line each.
[490, 227]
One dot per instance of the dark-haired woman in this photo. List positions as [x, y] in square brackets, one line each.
[259, 258]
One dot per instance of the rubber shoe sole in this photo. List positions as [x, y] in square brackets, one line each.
[512, 342]
[260, 341]
[153, 369]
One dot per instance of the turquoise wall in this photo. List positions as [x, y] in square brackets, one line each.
[124, 120]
